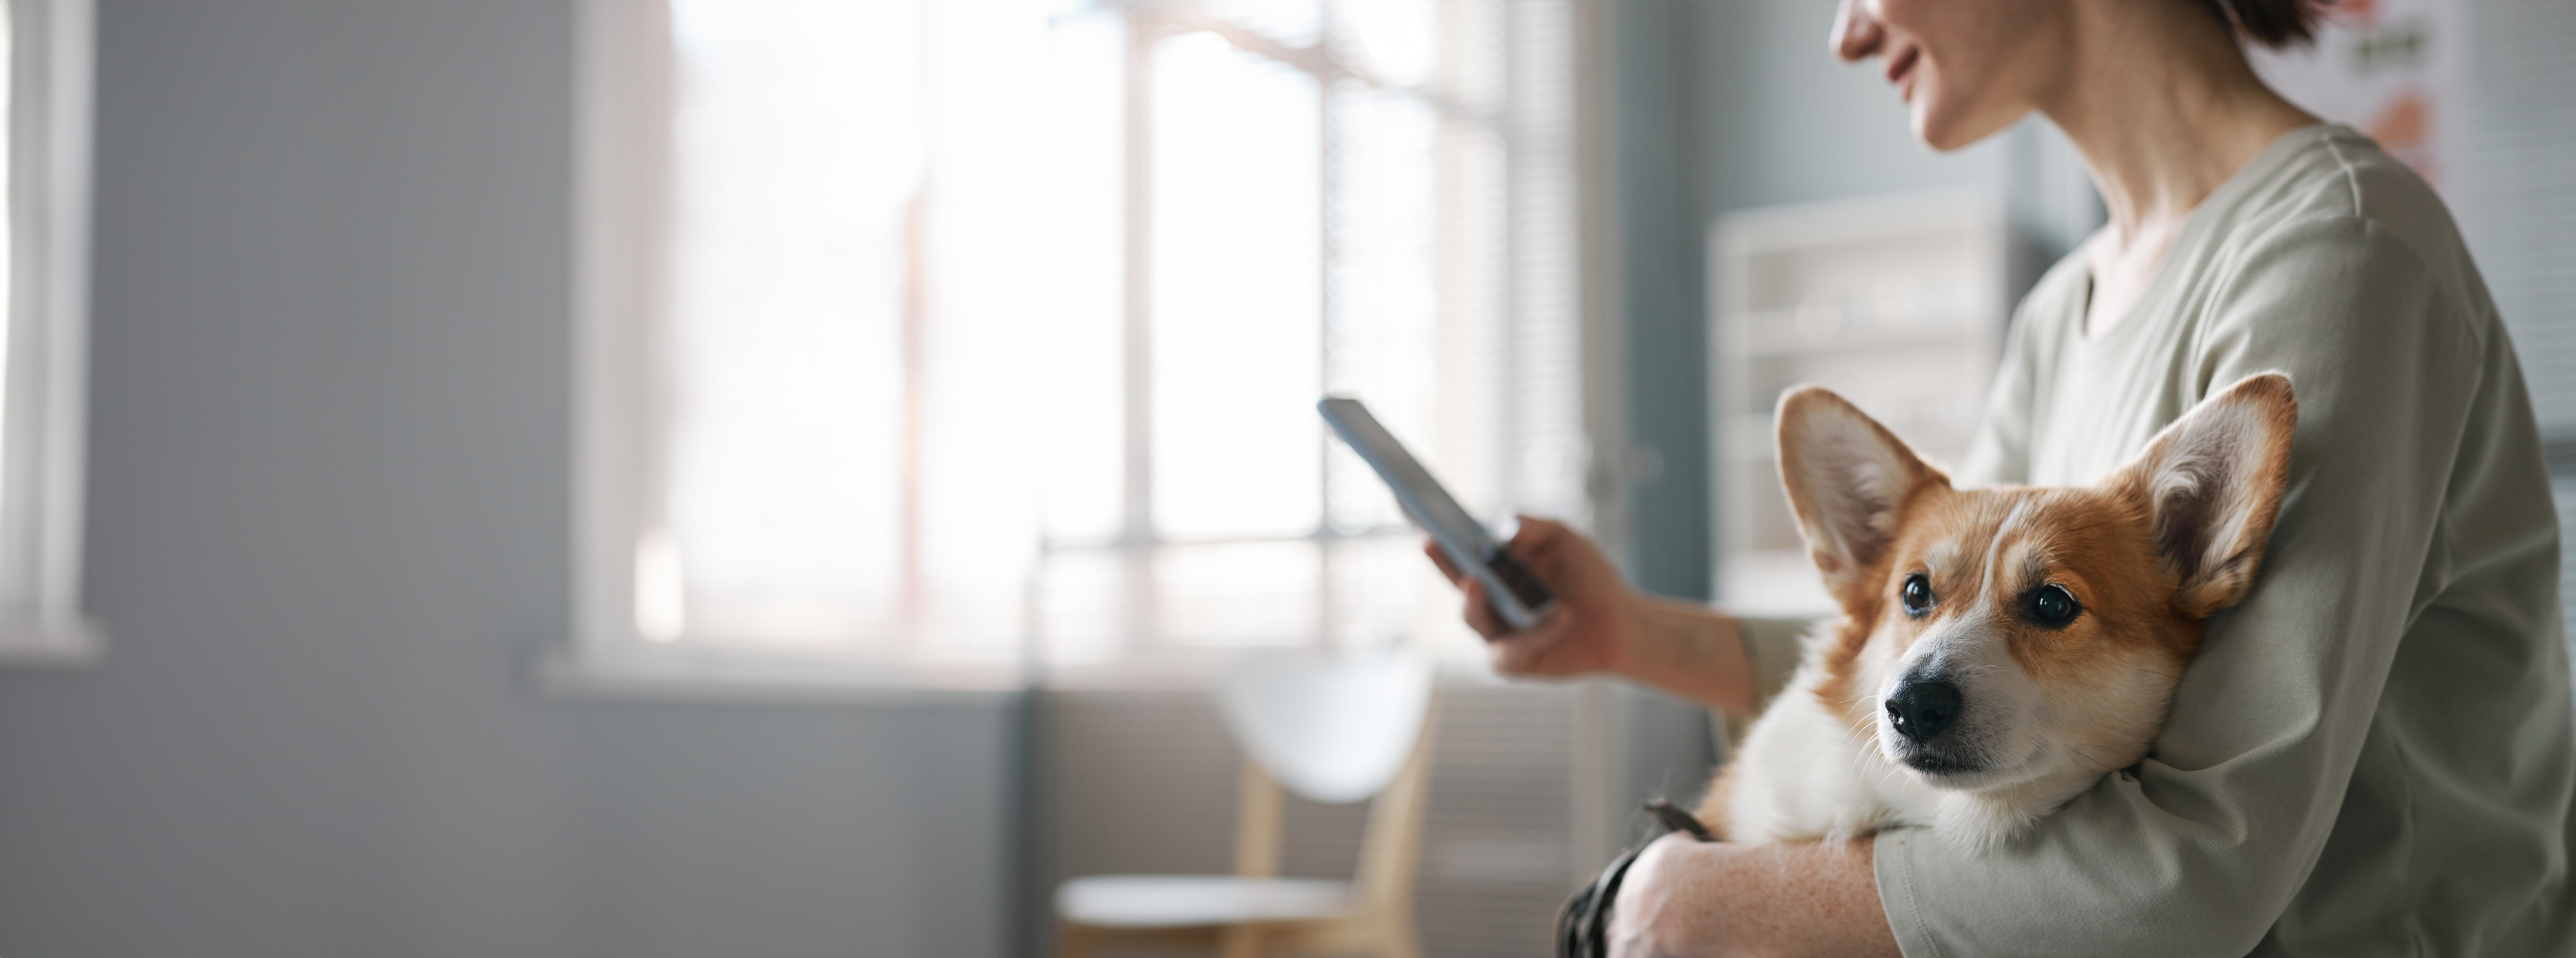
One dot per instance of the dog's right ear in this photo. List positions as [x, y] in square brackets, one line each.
[1847, 478]
[2211, 484]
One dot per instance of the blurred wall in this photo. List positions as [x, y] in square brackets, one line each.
[1727, 105]
[1736, 104]
[327, 536]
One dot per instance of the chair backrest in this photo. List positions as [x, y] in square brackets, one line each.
[1331, 728]
[1346, 729]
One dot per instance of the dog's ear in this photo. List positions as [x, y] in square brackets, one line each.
[1848, 478]
[2211, 485]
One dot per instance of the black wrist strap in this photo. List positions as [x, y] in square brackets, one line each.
[1583, 925]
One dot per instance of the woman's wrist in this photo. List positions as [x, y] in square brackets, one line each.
[1689, 650]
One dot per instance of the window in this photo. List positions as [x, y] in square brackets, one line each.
[43, 340]
[935, 341]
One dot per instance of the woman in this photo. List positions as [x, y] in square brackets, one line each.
[2371, 755]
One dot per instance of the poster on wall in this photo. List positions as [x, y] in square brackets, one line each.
[2393, 69]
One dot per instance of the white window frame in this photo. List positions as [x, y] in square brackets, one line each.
[43, 407]
[622, 162]
[1139, 541]
[624, 76]
[619, 159]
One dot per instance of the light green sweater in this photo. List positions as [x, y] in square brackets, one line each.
[2373, 754]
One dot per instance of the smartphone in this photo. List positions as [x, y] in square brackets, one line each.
[1515, 594]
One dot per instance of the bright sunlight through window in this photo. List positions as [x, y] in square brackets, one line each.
[983, 334]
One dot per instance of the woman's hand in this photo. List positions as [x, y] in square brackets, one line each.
[1646, 921]
[1602, 626]
[1595, 623]
[1685, 897]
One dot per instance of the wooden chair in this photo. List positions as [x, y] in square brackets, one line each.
[1254, 912]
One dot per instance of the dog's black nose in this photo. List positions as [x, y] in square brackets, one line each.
[1921, 708]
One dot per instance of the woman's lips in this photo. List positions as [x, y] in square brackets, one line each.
[1900, 71]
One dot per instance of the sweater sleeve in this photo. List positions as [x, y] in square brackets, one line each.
[1775, 646]
[2201, 847]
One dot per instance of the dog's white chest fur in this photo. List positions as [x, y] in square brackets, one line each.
[1803, 774]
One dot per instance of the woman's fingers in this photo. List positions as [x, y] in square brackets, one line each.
[1564, 643]
[1480, 614]
[1540, 651]
[1440, 557]
[1531, 544]
[1545, 547]
[1533, 535]
[1518, 655]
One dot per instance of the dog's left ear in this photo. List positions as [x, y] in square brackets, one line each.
[1848, 478]
[2211, 484]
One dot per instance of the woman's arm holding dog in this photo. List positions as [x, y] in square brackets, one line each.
[1684, 897]
[2416, 518]
[1603, 626]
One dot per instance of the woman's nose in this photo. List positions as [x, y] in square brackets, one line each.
[1857, 34]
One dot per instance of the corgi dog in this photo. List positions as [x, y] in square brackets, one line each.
[1999, 650]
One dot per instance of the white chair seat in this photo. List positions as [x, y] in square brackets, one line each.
[1187, 901]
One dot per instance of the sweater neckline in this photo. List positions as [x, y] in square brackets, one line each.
[2197, 231]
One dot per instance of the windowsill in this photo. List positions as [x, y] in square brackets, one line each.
[662, 673]
[1203, 673]
[60, 644]
[702, 675]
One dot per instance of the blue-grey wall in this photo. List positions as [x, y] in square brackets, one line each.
[1774, 117]
[1665, 345]
[328, 534]
[1735, 104]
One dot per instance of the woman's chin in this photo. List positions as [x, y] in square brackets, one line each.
[1944, 133]
[1932, 135]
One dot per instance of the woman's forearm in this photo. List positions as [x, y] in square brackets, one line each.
[1720, 898]
[1690, 650]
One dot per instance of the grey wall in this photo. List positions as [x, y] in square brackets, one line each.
[1780, 120]
[327, 535]
[1735, 104]
[1665, 341]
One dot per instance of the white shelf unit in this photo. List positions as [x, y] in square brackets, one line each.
[1897, 303]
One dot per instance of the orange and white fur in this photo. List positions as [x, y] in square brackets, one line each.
[1999, 649]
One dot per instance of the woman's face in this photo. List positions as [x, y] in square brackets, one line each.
[1967, 67]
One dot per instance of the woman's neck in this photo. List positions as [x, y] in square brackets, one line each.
[2161, 131]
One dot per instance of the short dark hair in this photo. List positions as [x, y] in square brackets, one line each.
[2273, 23]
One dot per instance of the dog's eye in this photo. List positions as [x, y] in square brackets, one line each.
[2053, 606]
[1917, 594]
